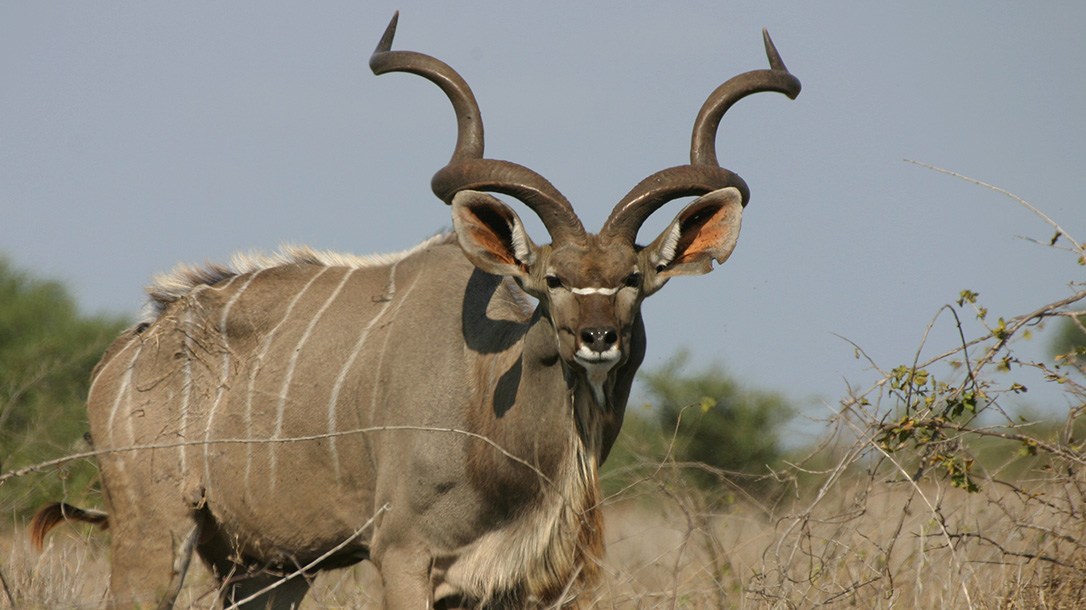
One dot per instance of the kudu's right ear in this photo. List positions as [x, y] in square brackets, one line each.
[492, 235]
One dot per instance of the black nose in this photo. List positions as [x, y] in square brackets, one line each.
[599, 339]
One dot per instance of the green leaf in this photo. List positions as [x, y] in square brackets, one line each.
[967, 296]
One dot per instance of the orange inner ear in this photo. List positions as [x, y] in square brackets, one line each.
[701, 232]
[491, 231]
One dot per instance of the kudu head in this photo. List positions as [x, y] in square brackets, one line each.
[590, 286]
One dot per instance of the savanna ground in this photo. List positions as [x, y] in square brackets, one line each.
[928, 490]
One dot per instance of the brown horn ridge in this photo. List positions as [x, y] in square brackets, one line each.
[467, 169]
[704, 173]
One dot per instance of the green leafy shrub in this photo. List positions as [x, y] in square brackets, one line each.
[47, 352]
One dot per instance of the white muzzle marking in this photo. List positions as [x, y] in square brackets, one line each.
[589, 357]
[593, 290]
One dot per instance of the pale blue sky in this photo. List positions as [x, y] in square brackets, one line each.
[137, 135]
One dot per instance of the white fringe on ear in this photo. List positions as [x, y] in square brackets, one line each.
[521, 250]
[666, 253]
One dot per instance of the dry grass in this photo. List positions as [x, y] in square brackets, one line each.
[869, 544]
[70, 573]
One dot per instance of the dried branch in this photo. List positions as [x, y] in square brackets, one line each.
[1059, 230]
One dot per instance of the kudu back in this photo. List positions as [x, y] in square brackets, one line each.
[441, 412]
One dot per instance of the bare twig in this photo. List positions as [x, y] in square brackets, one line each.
[1078, 247]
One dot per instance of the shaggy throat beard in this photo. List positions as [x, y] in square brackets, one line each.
[597, 365]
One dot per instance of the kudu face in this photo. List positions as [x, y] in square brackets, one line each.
[590, 286]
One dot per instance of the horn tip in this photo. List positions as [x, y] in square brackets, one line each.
[777, 64]
[390, 32]
[775, 61]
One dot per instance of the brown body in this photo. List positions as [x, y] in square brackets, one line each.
[441, 412]
[312, 349]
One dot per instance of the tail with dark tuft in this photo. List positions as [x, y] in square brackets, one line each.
[53, 514]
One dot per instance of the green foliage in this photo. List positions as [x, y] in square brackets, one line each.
[934, 411]
[935, 428]
[1069, 344]
[47, 352]
[706, 420]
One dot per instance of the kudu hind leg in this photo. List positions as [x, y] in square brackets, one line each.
[149, 563]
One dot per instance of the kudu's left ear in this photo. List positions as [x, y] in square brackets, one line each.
[704, 231]
[491, 234]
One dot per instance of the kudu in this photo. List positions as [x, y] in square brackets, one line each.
[306, 411]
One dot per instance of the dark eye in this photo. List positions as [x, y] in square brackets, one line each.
[553, 282]
[633, 280]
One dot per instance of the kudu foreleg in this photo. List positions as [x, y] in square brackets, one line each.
[405, 574]
[182, 557]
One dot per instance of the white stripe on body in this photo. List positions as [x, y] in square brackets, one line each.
[186, 387]
[390, 291]
[126, 382]
[284, 392]
[256, 369]
[117, 399]
[384, 346]
[225, 367]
